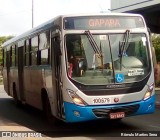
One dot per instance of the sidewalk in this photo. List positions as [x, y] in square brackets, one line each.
[157, 90]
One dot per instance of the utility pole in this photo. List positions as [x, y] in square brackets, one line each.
[32, 14]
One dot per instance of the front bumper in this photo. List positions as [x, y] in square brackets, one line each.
[75, 113]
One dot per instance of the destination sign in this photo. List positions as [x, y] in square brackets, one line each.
[103, 22]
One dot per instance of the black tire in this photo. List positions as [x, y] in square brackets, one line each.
[47, 111]
[17, 102]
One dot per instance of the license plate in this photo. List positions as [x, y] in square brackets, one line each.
[117, 115]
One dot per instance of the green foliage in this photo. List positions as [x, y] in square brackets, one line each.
[2, 40]
[156, 45]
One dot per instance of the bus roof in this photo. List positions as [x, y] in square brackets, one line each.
[101, 14]
[50, 23]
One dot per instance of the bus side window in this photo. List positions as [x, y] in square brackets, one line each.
[44, 41]
[4, 57]
[75, 52]
[27, 53]
[34, 51]
[13, 56]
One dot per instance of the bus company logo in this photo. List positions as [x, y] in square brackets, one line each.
[116, 100]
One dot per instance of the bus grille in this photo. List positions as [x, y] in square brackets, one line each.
[104, 112]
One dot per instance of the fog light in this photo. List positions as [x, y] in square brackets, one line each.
[76, 113]
[149, 107]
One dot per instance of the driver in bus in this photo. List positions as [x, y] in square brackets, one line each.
[75, 58]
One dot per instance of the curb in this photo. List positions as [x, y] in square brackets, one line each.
[157, 104]
[157, 88]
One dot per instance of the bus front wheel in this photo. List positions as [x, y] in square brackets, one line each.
[47, 110]
[17, 102]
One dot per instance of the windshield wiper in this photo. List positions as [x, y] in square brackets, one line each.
[93, 43]
[95, 47]
[123, 46]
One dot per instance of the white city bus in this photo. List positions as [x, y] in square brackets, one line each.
[83, 67]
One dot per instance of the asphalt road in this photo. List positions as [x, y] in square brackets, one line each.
[27, 118]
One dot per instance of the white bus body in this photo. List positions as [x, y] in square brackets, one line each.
[83, 67]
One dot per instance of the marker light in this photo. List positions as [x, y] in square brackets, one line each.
[149, 92]
[75, 98]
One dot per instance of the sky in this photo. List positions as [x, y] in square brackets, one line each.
[16, 15]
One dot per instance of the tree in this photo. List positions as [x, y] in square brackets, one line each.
[2, 40]
[156, 45]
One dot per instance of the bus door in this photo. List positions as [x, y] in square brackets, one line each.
[20, 72]
[8, 63]
[56, 74]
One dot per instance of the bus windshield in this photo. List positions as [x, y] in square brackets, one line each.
[116, 61]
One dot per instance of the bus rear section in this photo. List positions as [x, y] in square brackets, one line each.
[109, 73]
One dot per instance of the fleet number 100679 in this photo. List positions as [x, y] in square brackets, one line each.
[101, 100]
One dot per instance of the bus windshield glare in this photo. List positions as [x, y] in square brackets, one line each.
[111, 60]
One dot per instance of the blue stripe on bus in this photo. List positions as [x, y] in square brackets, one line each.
[85, 113]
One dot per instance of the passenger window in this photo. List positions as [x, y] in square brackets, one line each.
[34, 50]
[44, 48]
[4, 56]
[13, 56]
[27, 53]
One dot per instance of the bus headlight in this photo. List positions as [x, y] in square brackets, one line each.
[149, 92]
[75, 98]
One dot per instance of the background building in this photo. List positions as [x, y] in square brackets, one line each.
[150, 9]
